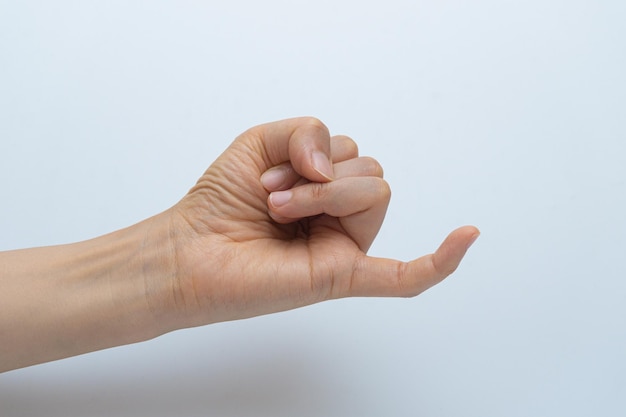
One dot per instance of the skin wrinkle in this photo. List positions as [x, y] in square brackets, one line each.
[145, 276]
[438, 272]
[401, 273]
[332, 279]
[213, 188]
[177, 247]
[442, 270]
[325, 292]
[304, 233]
[178, 293]
[195, 292]
[332, 225]
[353, 272]
[210, 296]
[311, 269]
[265, 155]
[318, 193]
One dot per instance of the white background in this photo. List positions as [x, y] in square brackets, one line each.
[506, 114]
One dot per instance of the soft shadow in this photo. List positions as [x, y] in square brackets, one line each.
[282, 385]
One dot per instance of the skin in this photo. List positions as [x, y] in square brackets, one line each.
[282, 219]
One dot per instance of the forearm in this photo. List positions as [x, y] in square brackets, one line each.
[67, 300]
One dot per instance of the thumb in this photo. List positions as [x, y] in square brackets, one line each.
[303, 141]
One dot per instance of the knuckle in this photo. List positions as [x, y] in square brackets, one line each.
[442, 271]
[372, 167]
[314, 123]
[347, 145]
[383, 189]
[404, 285]
[317, 191]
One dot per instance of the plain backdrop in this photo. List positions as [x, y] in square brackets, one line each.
[506, 114]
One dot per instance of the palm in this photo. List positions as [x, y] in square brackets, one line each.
[304, 261]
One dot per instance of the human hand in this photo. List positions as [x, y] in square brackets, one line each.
[284, 218]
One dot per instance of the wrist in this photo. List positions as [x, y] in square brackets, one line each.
[66, 300]
[143, 277]
[117, 285]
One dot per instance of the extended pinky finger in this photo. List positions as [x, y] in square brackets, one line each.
[388, 277]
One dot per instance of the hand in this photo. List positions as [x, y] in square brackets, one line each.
[284, 218]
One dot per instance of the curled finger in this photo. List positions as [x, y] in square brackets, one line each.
[360, 203]
[283, 176]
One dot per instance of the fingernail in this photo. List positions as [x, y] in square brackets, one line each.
[322, 165]
[472, 240]
[273, 178]
[280, 198]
